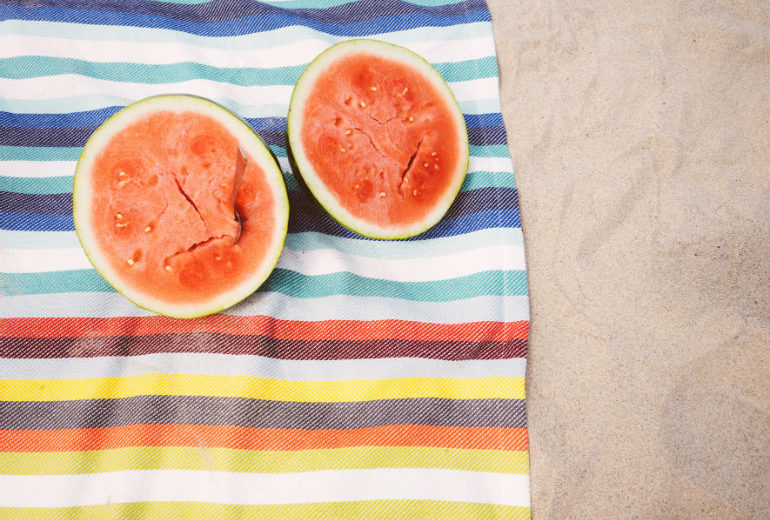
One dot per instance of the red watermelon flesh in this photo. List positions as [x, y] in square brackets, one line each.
[391, 134]
[163, 210]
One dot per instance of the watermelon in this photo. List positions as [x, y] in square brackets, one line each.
[162, 215]
[378, 138]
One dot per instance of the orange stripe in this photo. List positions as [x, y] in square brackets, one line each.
[264, 326]
[261, 439]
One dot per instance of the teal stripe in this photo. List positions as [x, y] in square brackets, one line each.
[262, 40]
[310, 240]
[492, 150]
[39, 153]
[81, 280]
[486, 283]
[25, 67]
[71, 153]
[483, 179]
[37, 185]
[294, 284]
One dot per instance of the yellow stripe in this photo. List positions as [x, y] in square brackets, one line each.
[268, 461]
[401, 509]
[260, 388]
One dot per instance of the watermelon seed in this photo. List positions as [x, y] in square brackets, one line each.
[410, 119]
[373, 88]
[415, 192]
[406, 89]
[168, 268]
[382, 194]
[425, 165]
[343, 149]
[121, 173]
[433, 154]
[119, 225]
[118, 216]
[147, 229]
[218, 258]
[130, 261]
[435, 166]
[362, 104]
[356, 186]
[348, 99]
[348, 132]
[122, 183]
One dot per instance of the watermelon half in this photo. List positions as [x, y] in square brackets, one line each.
[156, 208]
[378, 138]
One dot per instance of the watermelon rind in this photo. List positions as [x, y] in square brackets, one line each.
[248, 140]
[306, 171]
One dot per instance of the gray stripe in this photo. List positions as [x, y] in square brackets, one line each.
[252, 413]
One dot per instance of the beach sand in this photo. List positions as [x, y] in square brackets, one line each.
[640, 136]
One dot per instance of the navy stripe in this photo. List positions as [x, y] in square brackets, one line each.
[78, 135]
[230, 10]
[297, 223]
[50, 204]
[300, 201]
[95, 118]
[248, 24]
[446, 227]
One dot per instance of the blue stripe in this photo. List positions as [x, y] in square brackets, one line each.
[246, 25]
[236, 10]
[34, 222]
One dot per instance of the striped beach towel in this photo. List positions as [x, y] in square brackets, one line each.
[365, 379]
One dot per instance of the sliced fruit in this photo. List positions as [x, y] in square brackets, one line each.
[378, 138]
[155, 211]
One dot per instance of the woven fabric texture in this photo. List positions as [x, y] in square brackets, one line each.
[364, 379]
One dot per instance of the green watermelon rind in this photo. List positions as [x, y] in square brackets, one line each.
[248, 139]
[302, 166]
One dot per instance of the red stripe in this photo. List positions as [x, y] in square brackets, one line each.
[264, 326]
[261, 439]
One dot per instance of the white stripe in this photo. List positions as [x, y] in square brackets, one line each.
[338, 307]
[309, 240]
[95, 34]
[297, 52]
[50, 87]
[42, 260]
[258, 366]
[264, 488]
[37, 169]
[311, 263]
[490, 164]
[443, 267]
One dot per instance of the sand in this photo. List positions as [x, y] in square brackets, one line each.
[640, 135]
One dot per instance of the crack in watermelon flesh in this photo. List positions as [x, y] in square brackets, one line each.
[381, 138]
[163, 207]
